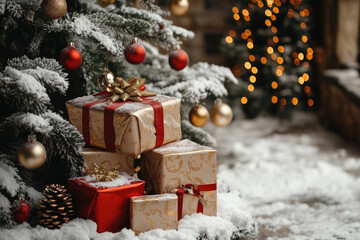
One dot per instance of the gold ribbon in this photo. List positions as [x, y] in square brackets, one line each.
[102, 174]
[127, 90]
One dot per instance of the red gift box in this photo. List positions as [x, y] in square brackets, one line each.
[109, 207]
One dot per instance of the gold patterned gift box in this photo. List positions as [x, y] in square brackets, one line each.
[124, 163]
[149, 212]
[181, 163]
[127, 127]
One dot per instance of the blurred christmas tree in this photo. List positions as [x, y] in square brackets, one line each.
[269, 50]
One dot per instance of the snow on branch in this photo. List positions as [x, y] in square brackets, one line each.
[22, 92]
[8, 176]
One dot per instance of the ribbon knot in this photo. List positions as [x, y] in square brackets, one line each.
[127, 90]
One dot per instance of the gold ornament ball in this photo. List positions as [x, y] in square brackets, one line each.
[32, 154]
[105, 79]
[105, 3]
[221, 114]
[198, 116]
[54, 9]
[179, 7]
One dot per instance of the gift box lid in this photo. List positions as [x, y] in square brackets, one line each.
[165, 196]
[122, 180]
[126, 109]
[181, 147]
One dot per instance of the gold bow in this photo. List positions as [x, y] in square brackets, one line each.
[102, 174]
[127, 90]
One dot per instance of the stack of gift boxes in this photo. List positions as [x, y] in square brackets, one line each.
[179, 175]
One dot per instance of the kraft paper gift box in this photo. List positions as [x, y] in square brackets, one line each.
[106, 203]
[183, 163]
[127, 127]
[124, 163]
[149, 212]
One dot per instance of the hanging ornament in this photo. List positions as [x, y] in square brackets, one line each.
[179, 7]
[198, 115]
[178, 59]
[32, 154]
[21, 209]
[106, 78]
[135, 52]
[105, 3]
[56, 208]
[54, 9]
[70, 57]
[221, 114]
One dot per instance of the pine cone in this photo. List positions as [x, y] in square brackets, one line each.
[56, 208]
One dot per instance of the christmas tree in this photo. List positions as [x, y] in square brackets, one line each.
[269, 50]
[39, 72]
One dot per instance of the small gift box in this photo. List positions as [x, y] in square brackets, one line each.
[106, 203]
[184, 163]
[127, 127]
[124, 163]
[149, 212]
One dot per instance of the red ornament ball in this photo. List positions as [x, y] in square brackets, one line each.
[70, 57]
[135, 53]
[178, 59]
[21, 210]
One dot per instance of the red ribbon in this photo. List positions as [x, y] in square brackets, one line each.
[109, 131]
[196, 192]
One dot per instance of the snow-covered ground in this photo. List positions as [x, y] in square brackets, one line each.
[295, 179]
[299, 180]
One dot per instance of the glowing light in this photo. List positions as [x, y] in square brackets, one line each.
[247, 65]
[244, 36]
[236, 16]
[274, 85]
[268, 22]
[275, 39]
[307, 89]
[304, 38]
[296, 61]
[235, 10]
[252, 79]
[310, 102]
[279, 73]
[294, 54]
[294, 101]
[303, 25]
[244, 100]
[273, 17]
[274, 99]
[247, 32]
[281, 49]
[274, 29]
[232, 33]
[263, 60]
[260, 4]
[306, 77]
[270, 50]
[283, 101]
[310, 51]
[252, 58]
[301, 56]
[280, 60]
[309, 56]
[273, 56]
[268, 13]
[254, 70]
[245, 12]
[247, 18]
[306, 12]
[229, 39]
[250, 45]
[251, 87]
[276, 10]
[301, 80]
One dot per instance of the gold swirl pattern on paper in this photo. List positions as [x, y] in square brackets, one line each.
[134, 127]
[153, 211]
[124, 163]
